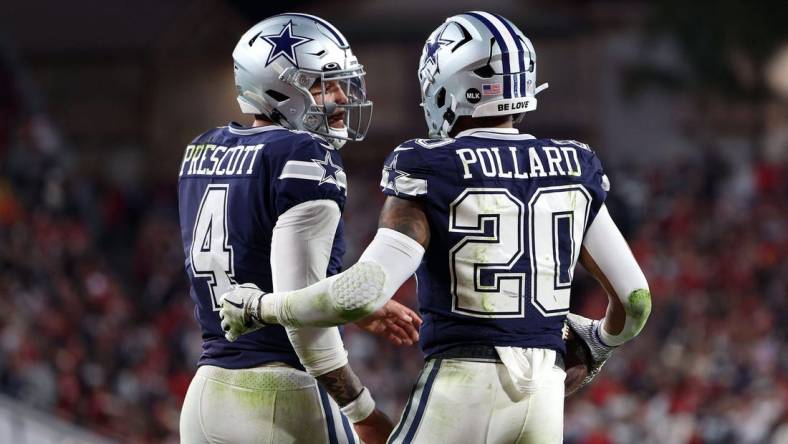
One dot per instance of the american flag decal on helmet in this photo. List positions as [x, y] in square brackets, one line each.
[491, 89]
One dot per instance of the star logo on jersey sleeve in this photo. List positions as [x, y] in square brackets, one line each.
[284, 44]
[330, 170]
[392, 174]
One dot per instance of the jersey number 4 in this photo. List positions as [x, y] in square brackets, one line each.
[211, 252]
[487, 273]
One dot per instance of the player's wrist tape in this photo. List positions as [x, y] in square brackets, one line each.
[587, 330]
[601, 334]
[253, 309]
[271, 307]
[360, 408]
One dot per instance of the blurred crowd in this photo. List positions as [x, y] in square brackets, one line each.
[96, 325]
[712, 363]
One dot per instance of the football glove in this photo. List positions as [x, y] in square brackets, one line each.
[588, 332]
[240, 312]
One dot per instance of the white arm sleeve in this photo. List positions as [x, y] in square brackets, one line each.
[608, 248]
[389, 260]
[300, 252]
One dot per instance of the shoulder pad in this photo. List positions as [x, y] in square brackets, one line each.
[573, 143]
[306, 136]
[423, 143]
[433, 143]
[208, 134]
[297, 144]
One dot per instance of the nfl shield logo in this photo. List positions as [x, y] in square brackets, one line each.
[491, 89]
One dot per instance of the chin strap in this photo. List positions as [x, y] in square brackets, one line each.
[339, 141]
[541, 88]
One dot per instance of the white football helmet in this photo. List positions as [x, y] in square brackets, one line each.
[278, 60]
[476, 64]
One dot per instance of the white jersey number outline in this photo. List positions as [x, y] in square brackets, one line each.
[211, 253]
[557, 217]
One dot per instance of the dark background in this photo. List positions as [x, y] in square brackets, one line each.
[686, 103]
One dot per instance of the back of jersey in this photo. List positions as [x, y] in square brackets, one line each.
[233, 185]
[507, 215]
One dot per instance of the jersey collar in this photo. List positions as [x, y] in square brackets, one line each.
[495, 133]
[241, 130]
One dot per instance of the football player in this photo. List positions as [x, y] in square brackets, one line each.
[262, 204]
[493, 223]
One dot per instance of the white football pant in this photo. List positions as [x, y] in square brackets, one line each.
[476, 401]
[270, 404]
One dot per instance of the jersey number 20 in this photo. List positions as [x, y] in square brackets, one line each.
[482, 264]
[211, 252]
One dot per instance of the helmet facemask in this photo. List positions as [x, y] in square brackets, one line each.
[298, 70]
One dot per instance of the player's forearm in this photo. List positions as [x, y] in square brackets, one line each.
[637, 310]
[353, 398]
[608, 257]
[387, 263]
[300, 250]
[342, 384]
[321, 304]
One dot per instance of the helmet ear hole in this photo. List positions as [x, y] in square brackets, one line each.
[276, 95]
[485, 71]
[440, 98]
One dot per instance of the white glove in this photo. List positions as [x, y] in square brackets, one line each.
[240, 312]
[588, 332]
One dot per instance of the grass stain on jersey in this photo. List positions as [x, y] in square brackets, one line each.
[487, 304]
[573, 198]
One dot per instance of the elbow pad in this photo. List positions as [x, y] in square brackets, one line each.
[387, 263]
[638, 308]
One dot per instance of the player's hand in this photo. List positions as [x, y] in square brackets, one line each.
[375, 428]
[240, 312]
[395, 322]
[587, 331]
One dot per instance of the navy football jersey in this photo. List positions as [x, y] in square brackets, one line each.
[234, 183]
[507, 215]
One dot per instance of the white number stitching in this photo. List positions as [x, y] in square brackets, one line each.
[557, 218]
[550, 278]
[470, 213]
[211, 253]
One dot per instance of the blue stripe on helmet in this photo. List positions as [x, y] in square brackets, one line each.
[520, 52]
[329, 26]
[507, 87]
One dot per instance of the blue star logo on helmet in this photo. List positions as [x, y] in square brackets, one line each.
[284, 44]
[433, 46]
